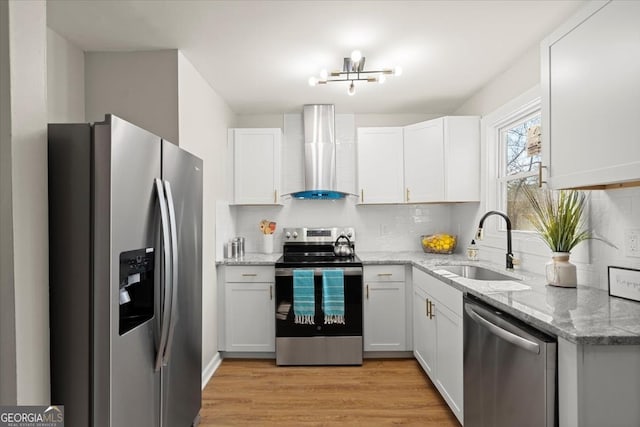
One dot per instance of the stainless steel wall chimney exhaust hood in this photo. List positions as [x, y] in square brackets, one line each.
[319, 154]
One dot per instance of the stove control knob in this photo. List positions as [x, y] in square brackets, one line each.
[295, 234]
[287, 235]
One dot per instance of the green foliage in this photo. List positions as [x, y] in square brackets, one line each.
[558, 216]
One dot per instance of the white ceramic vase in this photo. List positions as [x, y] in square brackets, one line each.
[560, 272]
[267, 243]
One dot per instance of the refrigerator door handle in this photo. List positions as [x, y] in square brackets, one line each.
[514, 339]
[166, 303]
[174, 270]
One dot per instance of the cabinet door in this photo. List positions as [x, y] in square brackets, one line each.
[380, 165]
[462, 158]
[384, 316]
[249, 317]
[424, 333]
[449, 356]
[256, 166]
[424, 162]
[591, 97]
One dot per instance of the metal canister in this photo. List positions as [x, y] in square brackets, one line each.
[234, 248]
[240, 246]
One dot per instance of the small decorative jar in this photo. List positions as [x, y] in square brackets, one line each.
[560, 272]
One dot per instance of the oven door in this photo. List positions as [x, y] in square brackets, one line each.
[285, 324]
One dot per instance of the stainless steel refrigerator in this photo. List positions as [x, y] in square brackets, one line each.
[125, 236]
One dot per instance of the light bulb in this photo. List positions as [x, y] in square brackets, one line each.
[381, 78]
[352, 89]
[356, 56]
[397, 71]
[313, 81]
[324, 74]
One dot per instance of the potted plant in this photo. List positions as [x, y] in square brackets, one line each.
[558, 216]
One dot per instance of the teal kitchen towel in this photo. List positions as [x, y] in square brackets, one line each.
[333, 296]
[304, 301]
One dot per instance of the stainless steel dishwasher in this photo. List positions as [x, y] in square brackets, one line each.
[509, 370]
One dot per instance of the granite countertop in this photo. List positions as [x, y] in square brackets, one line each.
[582, 315]
[252, 258]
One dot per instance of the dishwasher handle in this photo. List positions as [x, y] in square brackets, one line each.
[514, 339]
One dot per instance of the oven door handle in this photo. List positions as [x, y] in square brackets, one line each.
[317, 271]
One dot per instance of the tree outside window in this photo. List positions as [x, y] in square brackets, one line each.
[518, 169]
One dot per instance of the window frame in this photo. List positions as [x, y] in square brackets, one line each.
[524, 242]
[527, 112]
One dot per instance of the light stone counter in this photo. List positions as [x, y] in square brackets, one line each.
[582, 315]
[252, 258]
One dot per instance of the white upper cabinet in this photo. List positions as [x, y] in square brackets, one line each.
[428, 162]
[256, 165]
[380, 165]
[423, 162]
[442, 160]
[591, 97]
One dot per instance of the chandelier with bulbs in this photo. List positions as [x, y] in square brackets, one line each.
[353, 71]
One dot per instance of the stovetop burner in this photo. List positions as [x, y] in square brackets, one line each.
[315, 247]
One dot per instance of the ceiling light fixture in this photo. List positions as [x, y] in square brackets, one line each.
[352, 71]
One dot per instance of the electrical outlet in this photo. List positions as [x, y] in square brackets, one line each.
[632, 242]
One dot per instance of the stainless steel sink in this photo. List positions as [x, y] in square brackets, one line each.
[476, 273]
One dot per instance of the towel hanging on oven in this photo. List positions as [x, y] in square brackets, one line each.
[303, 297]
[333, 296]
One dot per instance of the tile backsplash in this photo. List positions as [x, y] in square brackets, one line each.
[378, 227]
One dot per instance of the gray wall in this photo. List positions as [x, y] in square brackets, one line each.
[24, 216]
[522, 75]
[141, 87]
[7, 294]
[204, 118]
[65, 80]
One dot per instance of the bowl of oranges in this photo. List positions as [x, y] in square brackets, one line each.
[440, 243]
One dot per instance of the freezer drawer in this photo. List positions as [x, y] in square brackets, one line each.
[509, 370]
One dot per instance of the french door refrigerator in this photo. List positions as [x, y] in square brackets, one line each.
[125, 220]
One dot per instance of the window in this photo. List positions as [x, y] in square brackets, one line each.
[507, 170]
[517, 168]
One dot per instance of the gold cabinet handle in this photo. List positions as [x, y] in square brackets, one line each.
[249, 274]
[361, 195]
[275, 196]
[540, 181]
[431, 305]
[367, 291]
[385, 274]
[408, 194]
[271, 292]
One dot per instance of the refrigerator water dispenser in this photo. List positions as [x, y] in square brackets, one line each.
[136, 288]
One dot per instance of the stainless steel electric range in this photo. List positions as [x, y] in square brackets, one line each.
[312, 259]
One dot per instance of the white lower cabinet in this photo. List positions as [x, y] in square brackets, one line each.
[249, 309]
[384, 308]
[437, 336]
[424, 331]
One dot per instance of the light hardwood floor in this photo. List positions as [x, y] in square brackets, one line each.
[379, 393]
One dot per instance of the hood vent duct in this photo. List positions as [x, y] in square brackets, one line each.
[319, 154]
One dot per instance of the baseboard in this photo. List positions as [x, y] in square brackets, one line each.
[387, 355]
[210, 369]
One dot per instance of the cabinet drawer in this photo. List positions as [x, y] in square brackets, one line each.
[249, 274]
[384, 273]
[446, 295]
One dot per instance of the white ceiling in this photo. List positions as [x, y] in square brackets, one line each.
[258, 55]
